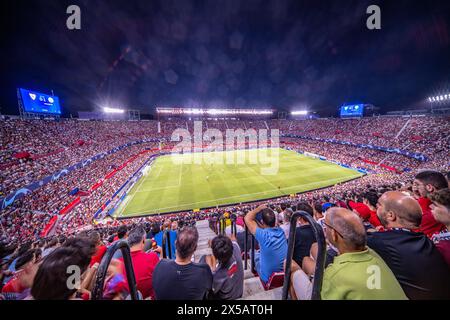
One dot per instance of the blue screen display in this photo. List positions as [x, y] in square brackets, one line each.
[352, 110]
[37, 102]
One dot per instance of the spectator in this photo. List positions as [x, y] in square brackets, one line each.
[317, 211]
[50, 282]
[228, 270]
[425, 183]
[363, 212]
[304, 235]
[285, 226]
[182, 279]
[239, 228]
[347, 277]
[143, 263]
[409, 254]
[17, 254]
[271, 239]
[26, 268]
[440, 208]
[241, 240]
[115, 285]
[154, 230]
[99, 247]
[370, 199]
[122, 233]
[5, 273]
[171, 235]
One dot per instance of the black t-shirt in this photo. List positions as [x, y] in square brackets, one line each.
[304, 238]
[415, 262]
[181, 282]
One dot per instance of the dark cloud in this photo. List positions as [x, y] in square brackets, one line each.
[255, 53]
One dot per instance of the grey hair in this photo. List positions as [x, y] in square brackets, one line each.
[136, 235]
[354, 237]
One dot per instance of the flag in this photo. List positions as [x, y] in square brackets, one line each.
[50, 228]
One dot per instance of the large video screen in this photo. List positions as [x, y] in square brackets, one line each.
[37, 102]
[355, 110]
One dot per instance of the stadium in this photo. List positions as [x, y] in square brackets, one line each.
[238, 193]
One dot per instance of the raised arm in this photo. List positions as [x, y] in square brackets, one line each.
[250, 218]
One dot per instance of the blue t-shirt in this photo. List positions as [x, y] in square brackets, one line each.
[273, 251]
[173, 237]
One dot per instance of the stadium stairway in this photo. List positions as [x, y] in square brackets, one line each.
[205, 234]
[253, 288]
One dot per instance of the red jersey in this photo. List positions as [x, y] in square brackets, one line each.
[97, 257]
[13, 286]
[144, 264]
[374, 220]
[429, 225]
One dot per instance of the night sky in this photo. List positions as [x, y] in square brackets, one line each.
[225, 53]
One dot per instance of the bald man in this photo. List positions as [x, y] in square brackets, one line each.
[357, 273]
[415, 261]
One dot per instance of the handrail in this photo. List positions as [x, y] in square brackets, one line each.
[221, 221]
[166, 243]
[233, 219]
[320, 261]
[163, 244]
[169, 244]
[224, 225]
[97, 292]
[252, 252]
[252, 256]
[218, 226]
[245, 248]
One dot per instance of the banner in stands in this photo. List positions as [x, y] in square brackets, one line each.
[417, 156]
[14, 196]
[70, 206]
[50, 228]
[381, 165]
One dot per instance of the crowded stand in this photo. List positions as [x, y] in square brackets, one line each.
[396, 217]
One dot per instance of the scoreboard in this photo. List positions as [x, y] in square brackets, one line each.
[36, 102]
[352, 111]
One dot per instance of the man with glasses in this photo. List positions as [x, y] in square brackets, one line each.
[357, 272]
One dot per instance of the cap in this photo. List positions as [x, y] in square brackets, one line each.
[326, 206]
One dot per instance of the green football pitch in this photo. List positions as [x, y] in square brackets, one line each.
[181, 182]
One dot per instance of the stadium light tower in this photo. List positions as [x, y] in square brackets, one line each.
[438, 98]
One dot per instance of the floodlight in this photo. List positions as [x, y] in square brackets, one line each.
[112, 110]
[299, 113]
